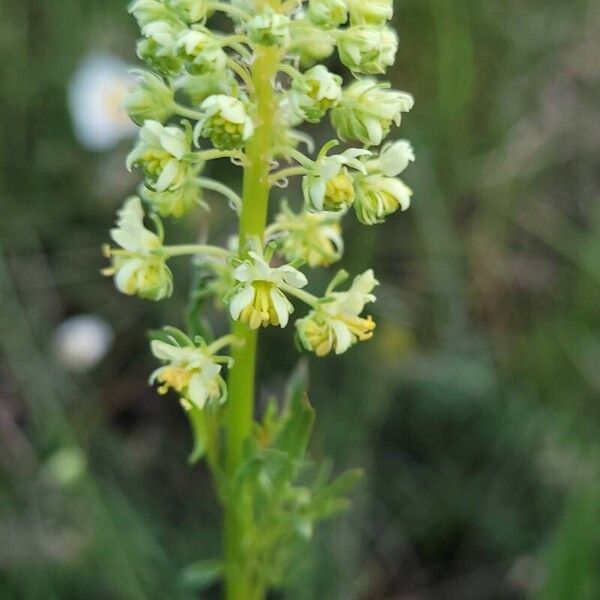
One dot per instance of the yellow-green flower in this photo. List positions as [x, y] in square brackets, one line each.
[368, 110]
[328, 13]
[138, 267]
[163, 154]
[192, 369]
[335, 323]
[191, 11]
[371, 12]
[225, 121]
[151, 99]
[310, 43]
[257, 300]
[175, 203]
[313, 94]
[200, 52]
[380, 193]
[367, 49]
[269, 28]
[328, 185]
[159, 48]
[309, 237]
[148, 11]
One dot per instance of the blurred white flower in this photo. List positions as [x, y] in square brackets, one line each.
[97, 94]
[81, 342]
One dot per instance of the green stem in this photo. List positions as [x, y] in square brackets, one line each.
[239, 583]
[186, 249]
[216, 186]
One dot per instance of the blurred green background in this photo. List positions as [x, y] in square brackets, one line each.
[474, 410]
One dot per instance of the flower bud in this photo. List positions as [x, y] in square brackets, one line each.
[371, 12]
[378, 196]
[313, 238]
[367, 111]
[225, 121]
[335, 323]
[174, 203]
[148, 11]
[199, 87]
[393, 159]
[162, 155]
[328, 13]
[190, 368]
[367, 49]
[151, 99]
[379, 193]
[312, 95]
[269, 28]
[138, 268]
[159, 48]
[310, 43]
[191, 11]
[329, 185]
[197, 47]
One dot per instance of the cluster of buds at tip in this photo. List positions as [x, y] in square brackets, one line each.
[200, 100]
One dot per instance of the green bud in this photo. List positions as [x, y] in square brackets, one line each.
[368, 110]
[269, 28]
[371, 12]
[378, 192]
[328, 13]
[163, 155]
[367, 49]
[199, 87]
[191, 11]
[159, 48]
[378, 196]
[313, 94]
[310, 43]
[225, 121]
[148, 11]
[174, 203]
[151, 99]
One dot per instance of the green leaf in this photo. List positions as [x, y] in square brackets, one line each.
[201, 575]
[298, 417]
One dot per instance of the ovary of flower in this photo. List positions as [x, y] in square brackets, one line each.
[160, 153]
[367, 49]
[136, 268]
[225, 121]
[313, 238]
[380, 193]
[191, 371]
[257, 299]
[367, 111]
[328, 185]
[314, 93]
[335, 323]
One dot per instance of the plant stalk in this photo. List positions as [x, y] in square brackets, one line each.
[240, 584]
